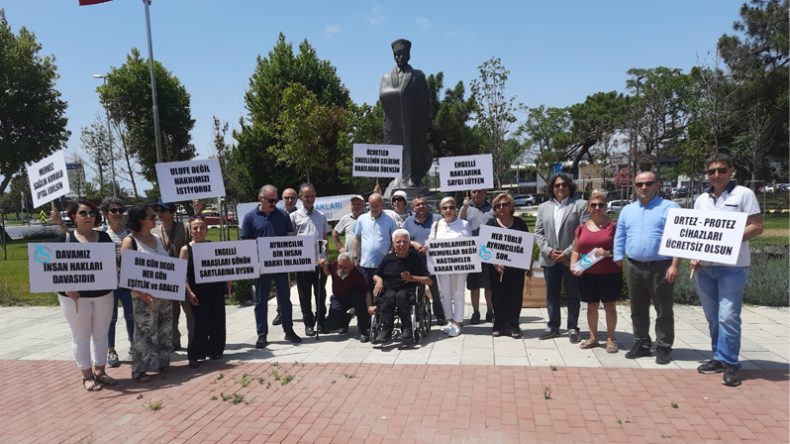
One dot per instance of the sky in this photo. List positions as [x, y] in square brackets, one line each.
[558, 52]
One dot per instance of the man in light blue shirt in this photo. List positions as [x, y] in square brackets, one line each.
[374, 237]
[651, 277]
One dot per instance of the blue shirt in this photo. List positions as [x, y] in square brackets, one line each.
[258, 224]
[639, 230]
[376, 238]
[419, 232]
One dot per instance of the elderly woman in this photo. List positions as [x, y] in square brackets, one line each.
[451, 286]
[152, 317]
[208, 304]
[88, 313]
[603, 281]
[555, 224]
[395, 286]
[506, 283]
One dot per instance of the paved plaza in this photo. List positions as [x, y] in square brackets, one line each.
[473, 388]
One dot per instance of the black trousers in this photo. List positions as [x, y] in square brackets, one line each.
[307, 284]
[391, 301]
[338, 306]
[209, 330]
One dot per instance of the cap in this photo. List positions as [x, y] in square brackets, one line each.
[400, 193]
[357, 196]
[169, 206]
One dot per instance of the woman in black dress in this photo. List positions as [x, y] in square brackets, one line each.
[506, 283]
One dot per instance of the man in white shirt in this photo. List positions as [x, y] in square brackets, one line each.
[345, 225]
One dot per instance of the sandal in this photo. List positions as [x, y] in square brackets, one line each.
[611, 346]
[515, 335]
[141, 377]
[104, 378]
[496, 334]
[589, 343]
[94, 385]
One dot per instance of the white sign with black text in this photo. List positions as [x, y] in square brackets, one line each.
[160, 276]
[377, 160]
[286, 254]
[48, 178]
[453, 256]
[714, 236]
[511, 248]
[463, 173]
[71, 266]
[225, 261]
[190, 179]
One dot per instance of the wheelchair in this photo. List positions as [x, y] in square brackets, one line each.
[420, 313]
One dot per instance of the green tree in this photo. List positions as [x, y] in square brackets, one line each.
[594, 122]
[32, 113]
[127, 97]
[546, 132]
[448, 133]
[494, 112]
[95, 143]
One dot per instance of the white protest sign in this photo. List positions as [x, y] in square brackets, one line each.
[71, 266]
[190, 179]
[377, 160]
[501, 246]
[285, 254]
[714, 236]
[160, 276]
[462, 173]
[333, 207]
[48, 179]
[225, 261]
[453, 256]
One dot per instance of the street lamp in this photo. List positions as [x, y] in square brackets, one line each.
[109, 135]
[155, 106]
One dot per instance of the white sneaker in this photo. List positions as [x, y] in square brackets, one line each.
[454, 331]
[447, 327]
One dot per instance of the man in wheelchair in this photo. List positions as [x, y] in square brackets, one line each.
[395, 287]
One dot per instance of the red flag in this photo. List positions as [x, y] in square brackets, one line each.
[92, 2]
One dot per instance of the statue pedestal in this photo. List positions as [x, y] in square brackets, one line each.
[411, 191]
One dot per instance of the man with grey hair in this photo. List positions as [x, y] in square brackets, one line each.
[349, 291]
[372, 231]
[269, 221]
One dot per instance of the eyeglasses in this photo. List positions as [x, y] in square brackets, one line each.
[83, 213]
[270, 201]
[720, 170]
[502, 205]
[560, 185]
[449, 207]
[398, 199]
[644, 184]
[597, 205]
[115, 210]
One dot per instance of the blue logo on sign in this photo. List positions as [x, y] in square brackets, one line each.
[585, 261]
[485, 253]
[43, 254]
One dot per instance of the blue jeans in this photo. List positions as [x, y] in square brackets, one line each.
[263, 286]
[720, 291]
[554, 276]
[125, 296]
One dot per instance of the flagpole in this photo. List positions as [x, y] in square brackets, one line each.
[154, 107]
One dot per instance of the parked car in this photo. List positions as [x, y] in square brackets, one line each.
[214, 217]
[615, 206]
[524, 200]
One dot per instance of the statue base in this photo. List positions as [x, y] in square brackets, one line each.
[411, 191]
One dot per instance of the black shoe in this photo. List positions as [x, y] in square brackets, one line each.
[475, 318]
[324, 329]
[363, 338]
[262, 342]
[384, 336]
[489, 316]
[406, 335]
[573, 335]
[215, 357]
[710, 367]
[112, 359]
[441, 321]
[731, 376]
[638, 350]
[292, 337]
[277, 320]
[309, 331]
[549, 334]
[662, 355]
[194, 363]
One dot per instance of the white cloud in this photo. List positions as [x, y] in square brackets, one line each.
[423, 22]
[375, 17]
[331, 30]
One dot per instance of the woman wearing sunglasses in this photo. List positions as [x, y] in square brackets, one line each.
[88, 313]
[451, 286]
[152, 317]
[208, 304]
[603, 281]
[506, 283]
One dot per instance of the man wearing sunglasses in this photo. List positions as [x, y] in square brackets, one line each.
[650, 276]
[719, 286]
[269, 221]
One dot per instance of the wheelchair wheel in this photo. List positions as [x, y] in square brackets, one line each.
[425, 316]
[375, 327]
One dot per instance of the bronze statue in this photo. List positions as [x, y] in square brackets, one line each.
[404, 97]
